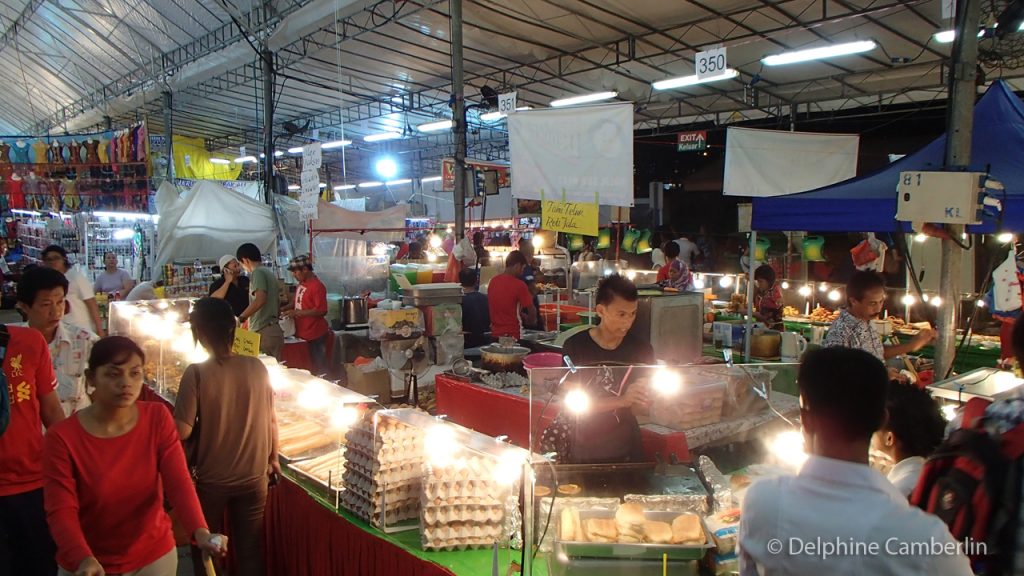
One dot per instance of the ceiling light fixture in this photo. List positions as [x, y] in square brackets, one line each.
[294, 186]
[820, 53]
[584, 99]
[398, 182]
[947, 36]
[371, 184]
[345, 187]
[295, 150]
[244, 159]
[335, 144]
[492, 116]
[684, 81]
[219, 161]
[431, 179]
[435, 126]
[382, 136]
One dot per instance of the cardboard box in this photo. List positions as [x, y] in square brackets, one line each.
[375, 383]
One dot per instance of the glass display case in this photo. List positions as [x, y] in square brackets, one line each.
[161, 329]
[613, 495]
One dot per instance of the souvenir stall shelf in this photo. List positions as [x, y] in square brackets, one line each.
[36, 232]
[102, 171]
[131, 237]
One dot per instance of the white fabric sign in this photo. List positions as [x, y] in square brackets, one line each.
[310, 194]
[774, 163]
[312, 156]
[250, 188]
[576, 151]
[349, 224]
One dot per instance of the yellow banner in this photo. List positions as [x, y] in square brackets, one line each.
[247, 343]
[569, 217]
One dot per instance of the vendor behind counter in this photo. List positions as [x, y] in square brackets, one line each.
[509, 300]
[608, 432]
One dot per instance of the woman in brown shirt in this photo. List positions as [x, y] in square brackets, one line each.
[228, 402]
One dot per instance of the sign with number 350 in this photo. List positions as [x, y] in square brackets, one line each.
[710, 63]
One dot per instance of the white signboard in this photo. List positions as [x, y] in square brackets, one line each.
[778, 162]
[573, 153]
[710, 63]
[312, 156]
[507, 103]
[310, 194]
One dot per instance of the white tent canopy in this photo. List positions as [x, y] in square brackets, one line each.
[209, 221]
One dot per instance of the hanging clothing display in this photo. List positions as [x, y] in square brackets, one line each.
[75, 152]
[57, 153]
[5, 153]
[69, 195]
[92, 151]
[20, 151]
[15, 194]
[40, 152]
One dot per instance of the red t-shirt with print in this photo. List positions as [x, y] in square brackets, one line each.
[311, 295]
[29, 373]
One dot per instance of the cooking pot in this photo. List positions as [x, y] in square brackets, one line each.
[354, 310]
[503, 359]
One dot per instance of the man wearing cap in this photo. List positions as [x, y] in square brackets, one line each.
[308, 310]
[231, 286]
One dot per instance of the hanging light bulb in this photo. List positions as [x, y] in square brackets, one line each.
[435, 241]
[908, 299]
[834, 295]
[823, 287]
[725, 281]
[980, 303]
[785, 285]
[1005, 238]
[920, 238]
[935, 301]
[805, 291]
[925, 297]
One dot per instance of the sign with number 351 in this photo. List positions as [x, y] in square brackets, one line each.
[710, 63]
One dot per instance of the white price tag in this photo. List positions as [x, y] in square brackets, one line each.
[312, 156]
[710, 63]
[507, 103]
[241, 150]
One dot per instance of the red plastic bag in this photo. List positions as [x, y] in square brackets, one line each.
[863, 253]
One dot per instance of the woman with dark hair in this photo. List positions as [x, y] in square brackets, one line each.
[914, 428]
[236, 449]
[768, 303]
[107, 470]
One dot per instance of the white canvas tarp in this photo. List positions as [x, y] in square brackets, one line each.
[582, 151]
[342, 260]
[389, 223]
[209, 221]
[774, 163]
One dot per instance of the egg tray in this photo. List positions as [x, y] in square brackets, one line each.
[371, 513]
[446, 514]
[460, 536]
[448, 491]
[368, 458]
[398, 471]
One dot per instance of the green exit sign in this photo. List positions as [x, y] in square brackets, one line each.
[696, 141]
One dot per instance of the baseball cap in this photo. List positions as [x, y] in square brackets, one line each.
[300, 262]
[225, 260]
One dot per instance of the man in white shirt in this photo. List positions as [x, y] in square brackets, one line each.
[41, 298]
[839, 516]
[82, 308]
[687, 251]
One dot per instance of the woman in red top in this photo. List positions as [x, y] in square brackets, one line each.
[106, 471]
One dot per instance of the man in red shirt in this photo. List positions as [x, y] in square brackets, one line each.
[25, 543]
[507, 295]
[308, 310]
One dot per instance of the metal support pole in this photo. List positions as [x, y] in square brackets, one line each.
[169, 132]
[749, 331]
[268, 124]
[459, 124]
[960, 124]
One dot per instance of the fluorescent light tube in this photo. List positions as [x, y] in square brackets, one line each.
[819, 53]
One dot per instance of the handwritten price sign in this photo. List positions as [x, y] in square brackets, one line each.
[569, 217]
[246, 343]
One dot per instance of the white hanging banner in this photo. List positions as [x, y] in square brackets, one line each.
[310, 194]
[710, 63]
[312, 156]
[775, 162]
[572, 153]
[507, 103]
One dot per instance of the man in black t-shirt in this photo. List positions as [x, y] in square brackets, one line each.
[609, 432]
[231, 286]
[476, 314]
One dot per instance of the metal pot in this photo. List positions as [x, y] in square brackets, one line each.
[354, 310]
[503, 359]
